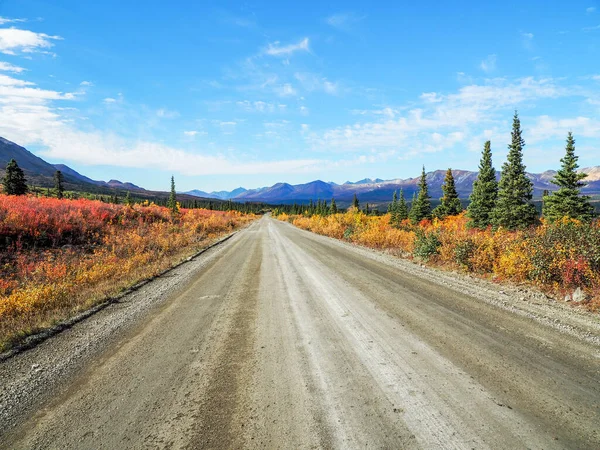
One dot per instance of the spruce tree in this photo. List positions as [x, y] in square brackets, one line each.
[14, 182]
[402, 208]
[421, 208]
[449, 203]
[485, 192]
[128, 200]
[58, 184]
[333, 208]
[393, 209]
[172, 203]
[355, 203]
[513, 208]
[566, 202]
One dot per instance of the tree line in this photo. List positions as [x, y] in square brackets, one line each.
[14, 182]
[505, 203]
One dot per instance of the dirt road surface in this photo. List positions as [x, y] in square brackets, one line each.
[280, 338]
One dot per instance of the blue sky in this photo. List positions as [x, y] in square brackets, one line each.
[228, 94]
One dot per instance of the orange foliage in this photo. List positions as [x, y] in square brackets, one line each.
[557, 257]
[60, 256]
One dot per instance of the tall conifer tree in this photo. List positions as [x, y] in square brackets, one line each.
[513, 208]
[172, 203]
[421, 208]
[393, 209]
[449, 204]
[14, 182]
[333, 208]
[567, 201]
[58, 184]
[355, 203]
[485, 192]
[402, 209]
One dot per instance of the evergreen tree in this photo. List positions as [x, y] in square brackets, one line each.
[172, 203]
[393, 209]
[567, 201]
[355, 203]
[14, 182]
[128, 200]
[58, 184]
[449, 204]
[421, 208]
[485, 192]
[333, 208]
[402, 208]
[513, 208]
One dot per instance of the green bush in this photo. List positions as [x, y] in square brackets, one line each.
[463, 252]
[426, 245]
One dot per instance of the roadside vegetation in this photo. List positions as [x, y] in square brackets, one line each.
[499, 236]
[61, 256]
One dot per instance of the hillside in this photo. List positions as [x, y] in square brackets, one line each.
[380, 191]
[40, 173]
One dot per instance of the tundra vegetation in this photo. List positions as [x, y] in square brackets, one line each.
[61, 256]
[499, 235]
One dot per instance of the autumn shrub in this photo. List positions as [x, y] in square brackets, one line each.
[61, 256]
[558, 257]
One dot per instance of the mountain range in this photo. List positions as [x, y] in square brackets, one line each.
[373, 191]
[380, 191]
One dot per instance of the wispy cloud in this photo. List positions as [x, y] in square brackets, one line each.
[311, 82]
[6, 67]
[588, 29]
[164, 113]
[14, 40]
[440, 124]
[276, 49]
[488, 64]
[261, 107]
[5, 20]
[344, 21]
[590, 10]
[527, 40]
[286, 90]
[386, 112]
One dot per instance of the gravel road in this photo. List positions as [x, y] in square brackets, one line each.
[279, 338]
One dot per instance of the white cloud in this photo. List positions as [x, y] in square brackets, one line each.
[488, 64]
[343, 21]
[387, 112]
[440, 124]
[86, 83]
[590, 10]
[5, 20]
[14, 40]
[431, 97]
[527, 40]
[164, 113]
[261, 107]
[5, 80]
[275, 49]
[546, 127]
[191, 133]
[588, 29]
[109, 100]
[286, 90]
[7, 67]
[312, 82]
